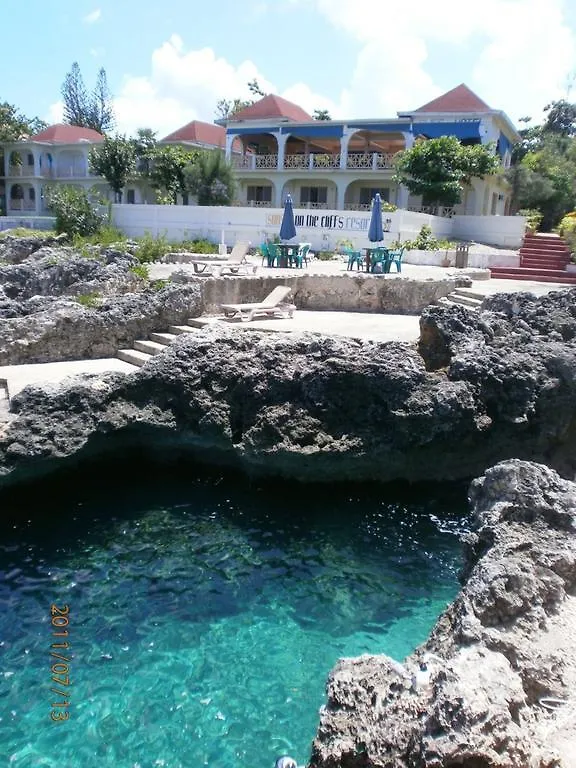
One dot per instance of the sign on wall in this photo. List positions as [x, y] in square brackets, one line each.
[328, 221]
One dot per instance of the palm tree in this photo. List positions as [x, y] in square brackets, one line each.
[211, 178]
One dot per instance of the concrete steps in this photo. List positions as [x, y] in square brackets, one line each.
[543, 258]
[463, 297]
[155, 344]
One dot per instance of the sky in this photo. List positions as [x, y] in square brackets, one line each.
[170, 62]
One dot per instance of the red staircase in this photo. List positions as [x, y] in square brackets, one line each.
[543, 257]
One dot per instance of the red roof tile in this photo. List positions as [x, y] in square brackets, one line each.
[273, 106]
[200, 133]
[67, 134]
[459, 99]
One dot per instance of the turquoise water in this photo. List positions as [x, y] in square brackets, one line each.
[204, 612]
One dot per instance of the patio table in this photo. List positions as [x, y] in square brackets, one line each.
[288, 254]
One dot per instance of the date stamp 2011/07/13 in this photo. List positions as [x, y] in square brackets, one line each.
[60, 650]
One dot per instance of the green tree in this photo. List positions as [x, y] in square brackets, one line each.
[560, 118]
[437, 169]
[87, 110]
[15, 126]
[115, 160]
[211, 178]
[321, 114]
[75, 213]
[227, 108]
[166, 174]
[144, 145]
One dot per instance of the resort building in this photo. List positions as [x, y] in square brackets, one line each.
[341, 164]
[59, 155]
[277, 148]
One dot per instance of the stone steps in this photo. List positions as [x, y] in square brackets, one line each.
[145, 349]
[463, 297]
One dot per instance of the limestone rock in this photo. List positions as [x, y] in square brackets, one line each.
[494, 684]
[14, 249]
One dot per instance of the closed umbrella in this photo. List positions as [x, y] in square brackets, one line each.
[375, 231]
[288, 228]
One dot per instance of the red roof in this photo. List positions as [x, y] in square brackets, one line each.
[67, 134]
[459, 99]
[198, 132]
[273, 106]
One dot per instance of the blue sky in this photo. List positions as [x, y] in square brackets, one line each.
[170, 62]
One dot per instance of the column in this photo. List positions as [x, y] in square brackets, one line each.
[281, 140]
[341, 187]
[408, 139]
[344, 141]
[37, 193]
[7, 153]
[229, 141]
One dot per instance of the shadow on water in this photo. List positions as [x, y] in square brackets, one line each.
[228, 597]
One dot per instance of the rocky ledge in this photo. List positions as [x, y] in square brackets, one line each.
[481, 388]
[494, 685]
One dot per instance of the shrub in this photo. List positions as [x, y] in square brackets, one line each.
[25, 232]
[140, 270]
[568, 232]
[152, 248]
[105, 236]
[75, 213]
[88, 299]
[158, 285]
[533, 217]
[325, 255]
[197, 246]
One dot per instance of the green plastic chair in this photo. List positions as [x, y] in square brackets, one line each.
[380, 256]
[302, 255]
[273, 254]
[354, 257]
[395, 257]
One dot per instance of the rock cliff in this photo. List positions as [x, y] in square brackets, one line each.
[325, 408]
[494, 685]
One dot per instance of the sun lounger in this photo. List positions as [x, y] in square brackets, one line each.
[237, 264]
[273, 305]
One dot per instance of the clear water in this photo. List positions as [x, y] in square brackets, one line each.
[205, 613]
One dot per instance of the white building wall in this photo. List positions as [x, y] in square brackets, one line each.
[322, 228]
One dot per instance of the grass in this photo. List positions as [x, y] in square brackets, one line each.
[88, 300]
[25, 232]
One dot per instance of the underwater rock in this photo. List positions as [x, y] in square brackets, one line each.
[493, 687]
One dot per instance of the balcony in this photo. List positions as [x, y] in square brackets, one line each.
[316, 161]
[21, 205]
[49, 173]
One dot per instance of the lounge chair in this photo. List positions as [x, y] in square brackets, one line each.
[273, 305]
[237, 264]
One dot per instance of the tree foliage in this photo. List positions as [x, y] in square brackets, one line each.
[15, 126]
[321, 114]
[166, 172]
[211, 178]
[543, 174]
[87, 110]
[115, 160]
[75, 212]
[438, 168]
[227, 108]
[144, 146]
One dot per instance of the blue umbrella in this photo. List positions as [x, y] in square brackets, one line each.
[375, 232]
[288, 228]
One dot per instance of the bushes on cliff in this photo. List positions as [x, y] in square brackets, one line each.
[75, 213]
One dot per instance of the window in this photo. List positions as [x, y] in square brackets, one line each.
[131, 196]
[185, 199]
[30, 158]
[259, 194]
[367, 193]
[313, 195]
[32, 194]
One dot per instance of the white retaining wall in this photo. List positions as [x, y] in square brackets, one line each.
[322, 228]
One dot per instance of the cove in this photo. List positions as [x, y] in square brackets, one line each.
[205, 610]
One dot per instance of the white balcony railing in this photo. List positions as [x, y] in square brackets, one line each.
[266, 161]
[296, 161]
[258, 203]
[314, 206]
[357, 207]
[321, 160]
[433, 210]
[21, 205]
[371, 161]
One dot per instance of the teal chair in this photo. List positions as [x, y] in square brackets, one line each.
[265, 254]
[354, 258]
[395, 257]
[302, 255]
[380, 256]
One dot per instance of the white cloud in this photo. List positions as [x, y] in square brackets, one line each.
[93, 17]
[522, 53]
[525, 51]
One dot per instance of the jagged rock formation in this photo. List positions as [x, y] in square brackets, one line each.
[323, 408]
[493, 687]
[15, 248]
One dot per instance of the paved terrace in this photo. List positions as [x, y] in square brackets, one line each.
[375, 327]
